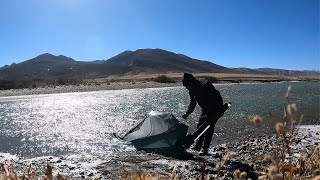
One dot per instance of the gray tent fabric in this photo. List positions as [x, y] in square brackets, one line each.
[158, 130]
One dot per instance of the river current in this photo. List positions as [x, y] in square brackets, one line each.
[82, 122]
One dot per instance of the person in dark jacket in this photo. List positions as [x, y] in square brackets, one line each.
[211, 103]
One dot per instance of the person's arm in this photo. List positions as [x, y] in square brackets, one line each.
[191, 106]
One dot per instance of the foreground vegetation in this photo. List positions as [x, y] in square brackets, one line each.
[9, 173]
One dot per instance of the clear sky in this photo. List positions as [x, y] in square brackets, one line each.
[232, 33]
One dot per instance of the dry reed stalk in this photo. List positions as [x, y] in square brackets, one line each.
[225, 159]
[307, 167]
[10, 173]
[257, 120]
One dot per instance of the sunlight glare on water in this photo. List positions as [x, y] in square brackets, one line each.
[81, 122]
[58, 124]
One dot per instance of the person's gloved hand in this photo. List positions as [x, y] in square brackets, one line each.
[185, 116]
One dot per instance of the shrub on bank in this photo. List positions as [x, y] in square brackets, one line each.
[163, 79]
[34, 83]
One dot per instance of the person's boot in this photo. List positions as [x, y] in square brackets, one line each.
[196, 147]
[188, 141]
[204, 152]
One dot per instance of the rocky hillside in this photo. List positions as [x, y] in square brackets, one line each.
[146, 61]
[161, 61]
[49, 66]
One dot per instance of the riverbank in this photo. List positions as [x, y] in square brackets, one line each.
[250, 157]
[100, 86]
[142, 80]
[85, 88]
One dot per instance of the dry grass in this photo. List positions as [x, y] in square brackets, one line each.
[283, 165]
[163, 79]
[228, 77]
[8, 172]
[257, 120]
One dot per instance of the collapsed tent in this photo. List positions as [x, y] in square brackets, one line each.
[158, 130]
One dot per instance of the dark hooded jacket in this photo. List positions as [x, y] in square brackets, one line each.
[203, 93]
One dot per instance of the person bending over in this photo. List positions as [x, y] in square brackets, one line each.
[211, 103]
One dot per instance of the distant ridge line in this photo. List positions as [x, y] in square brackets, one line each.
[146, 61]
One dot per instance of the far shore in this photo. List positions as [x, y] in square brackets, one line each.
[147, 81]
[85, 88]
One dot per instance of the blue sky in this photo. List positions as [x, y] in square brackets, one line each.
[232, 33]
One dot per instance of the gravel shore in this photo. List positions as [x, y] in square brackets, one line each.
[245, 156]
[249, 155]
[86, 88]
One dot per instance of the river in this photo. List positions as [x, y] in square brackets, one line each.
[82, 122]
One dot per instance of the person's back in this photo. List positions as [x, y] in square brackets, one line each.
[208, 98]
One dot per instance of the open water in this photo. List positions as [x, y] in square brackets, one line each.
[82, 122]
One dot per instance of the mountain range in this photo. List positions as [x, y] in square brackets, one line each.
[147, 61]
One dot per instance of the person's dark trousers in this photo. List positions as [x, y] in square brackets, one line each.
[206, 138]
[204, 122]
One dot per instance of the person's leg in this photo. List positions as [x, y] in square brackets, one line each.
[199, 142]
[209, 134]
[208, 137]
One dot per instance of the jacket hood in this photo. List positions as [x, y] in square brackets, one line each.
[189, 79]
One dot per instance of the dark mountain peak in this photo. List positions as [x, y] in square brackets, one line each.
[161, 61]
[121, 58]
[147, 53]
[131, 57]
[4, 67]
[150, 51]
[51, 57]
[45, 55]
[62, 56]
[124, 53]
[143, 50]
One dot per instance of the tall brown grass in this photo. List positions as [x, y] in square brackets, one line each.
[163, 79]
[8, 172]
[283, 165]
